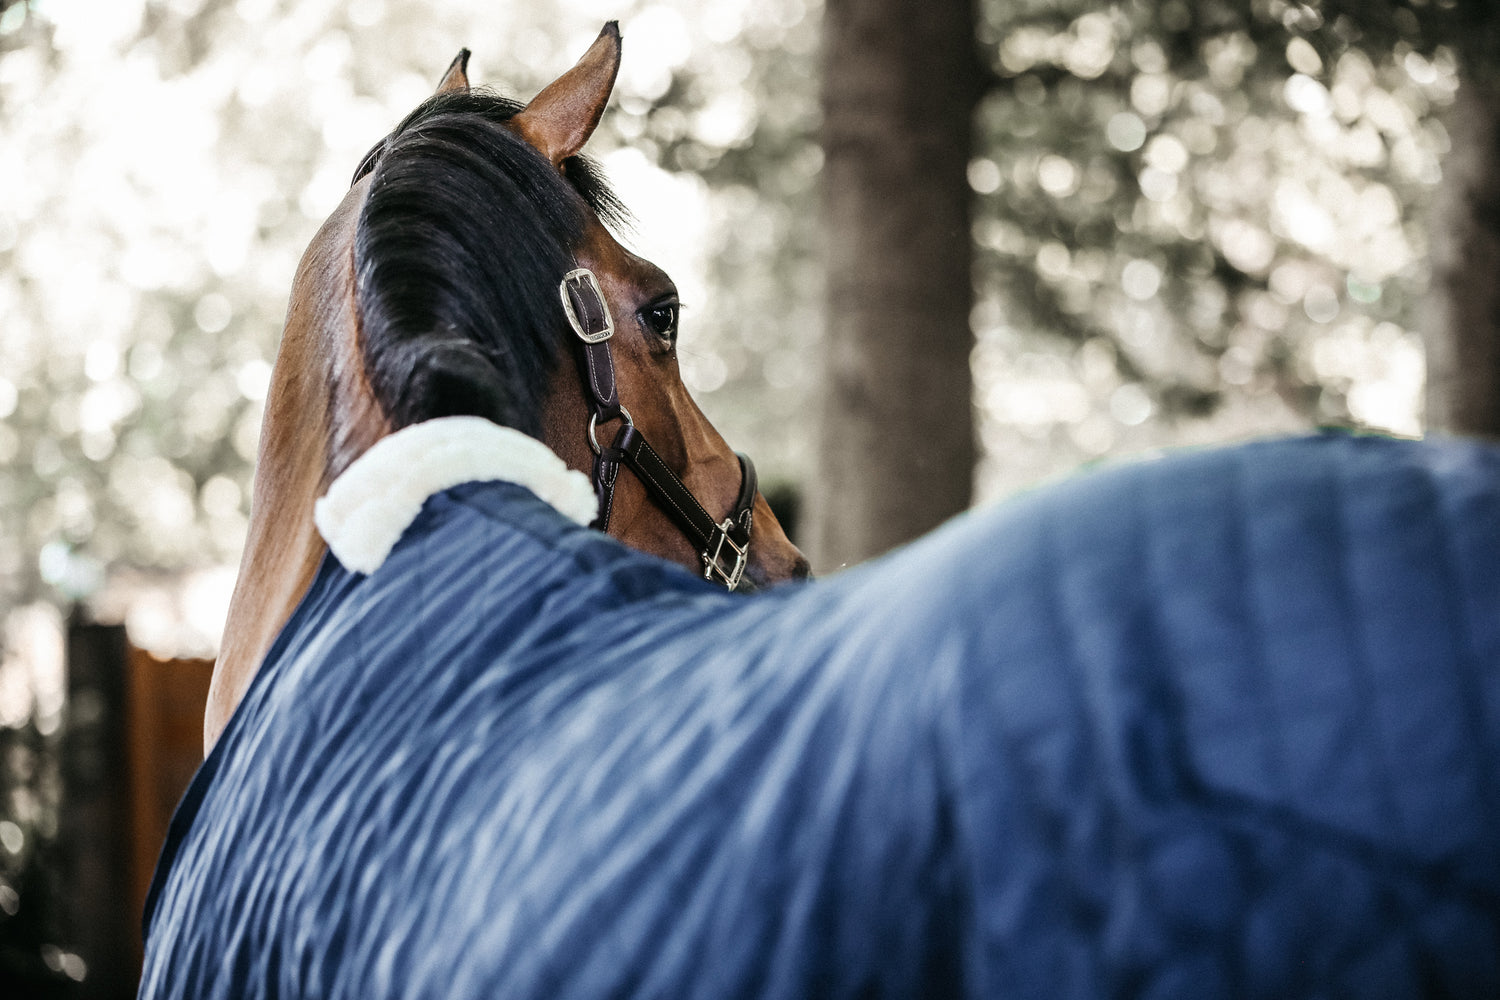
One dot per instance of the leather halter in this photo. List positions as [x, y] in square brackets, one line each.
[723, 546]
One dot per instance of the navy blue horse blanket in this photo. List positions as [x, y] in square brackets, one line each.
[1221, 724]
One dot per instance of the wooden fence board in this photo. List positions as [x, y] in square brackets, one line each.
[165, 746]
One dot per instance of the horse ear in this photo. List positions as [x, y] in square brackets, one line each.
[561, 118]
[456, 80]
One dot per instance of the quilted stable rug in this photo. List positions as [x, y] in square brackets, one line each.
[1225, 723]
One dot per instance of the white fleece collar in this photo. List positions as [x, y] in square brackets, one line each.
[375, 500]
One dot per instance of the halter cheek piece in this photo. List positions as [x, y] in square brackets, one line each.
[723, 547]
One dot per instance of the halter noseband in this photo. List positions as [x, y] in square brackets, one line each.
[723, 547]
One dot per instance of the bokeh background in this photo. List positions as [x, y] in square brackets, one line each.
[1191, 222]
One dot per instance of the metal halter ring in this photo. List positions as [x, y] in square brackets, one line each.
[594, 422]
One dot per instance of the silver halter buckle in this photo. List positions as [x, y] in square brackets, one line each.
[583, 301]
[715, 551]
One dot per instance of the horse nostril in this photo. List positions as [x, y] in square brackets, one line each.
[769, 576]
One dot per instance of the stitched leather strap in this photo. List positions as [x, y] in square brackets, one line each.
[606, 471]
[744, 504]
[599, 376]
[664, 486]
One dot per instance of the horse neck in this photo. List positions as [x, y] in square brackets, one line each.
[320, 415]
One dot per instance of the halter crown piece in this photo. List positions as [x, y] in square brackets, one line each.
[722, 547]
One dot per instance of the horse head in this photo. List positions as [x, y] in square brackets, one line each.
[434, 290]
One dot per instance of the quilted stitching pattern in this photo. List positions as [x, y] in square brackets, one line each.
[1225, 724]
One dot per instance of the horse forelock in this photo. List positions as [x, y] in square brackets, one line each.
[460, 245]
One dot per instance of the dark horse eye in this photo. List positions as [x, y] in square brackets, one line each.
[661, 318]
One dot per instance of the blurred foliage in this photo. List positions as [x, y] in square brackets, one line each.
[31, 963]
[1215, 211]
[165, 162]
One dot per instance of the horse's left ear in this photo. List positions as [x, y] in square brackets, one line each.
[561, 118]
[456, 80]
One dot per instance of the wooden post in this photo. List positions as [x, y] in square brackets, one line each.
[94, 821]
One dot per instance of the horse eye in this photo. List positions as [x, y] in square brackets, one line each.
[662, 320]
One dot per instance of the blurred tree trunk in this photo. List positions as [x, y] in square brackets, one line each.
[900, 81]
[1463, 327]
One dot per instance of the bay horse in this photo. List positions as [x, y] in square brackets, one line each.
[396, 318]
[1223, 724]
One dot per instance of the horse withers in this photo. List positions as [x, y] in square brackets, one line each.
[434, 290]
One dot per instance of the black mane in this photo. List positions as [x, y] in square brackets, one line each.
[460, 246]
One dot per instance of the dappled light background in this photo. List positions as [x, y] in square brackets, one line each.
[1196, 245]
[164, 164]
[1174, 246]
